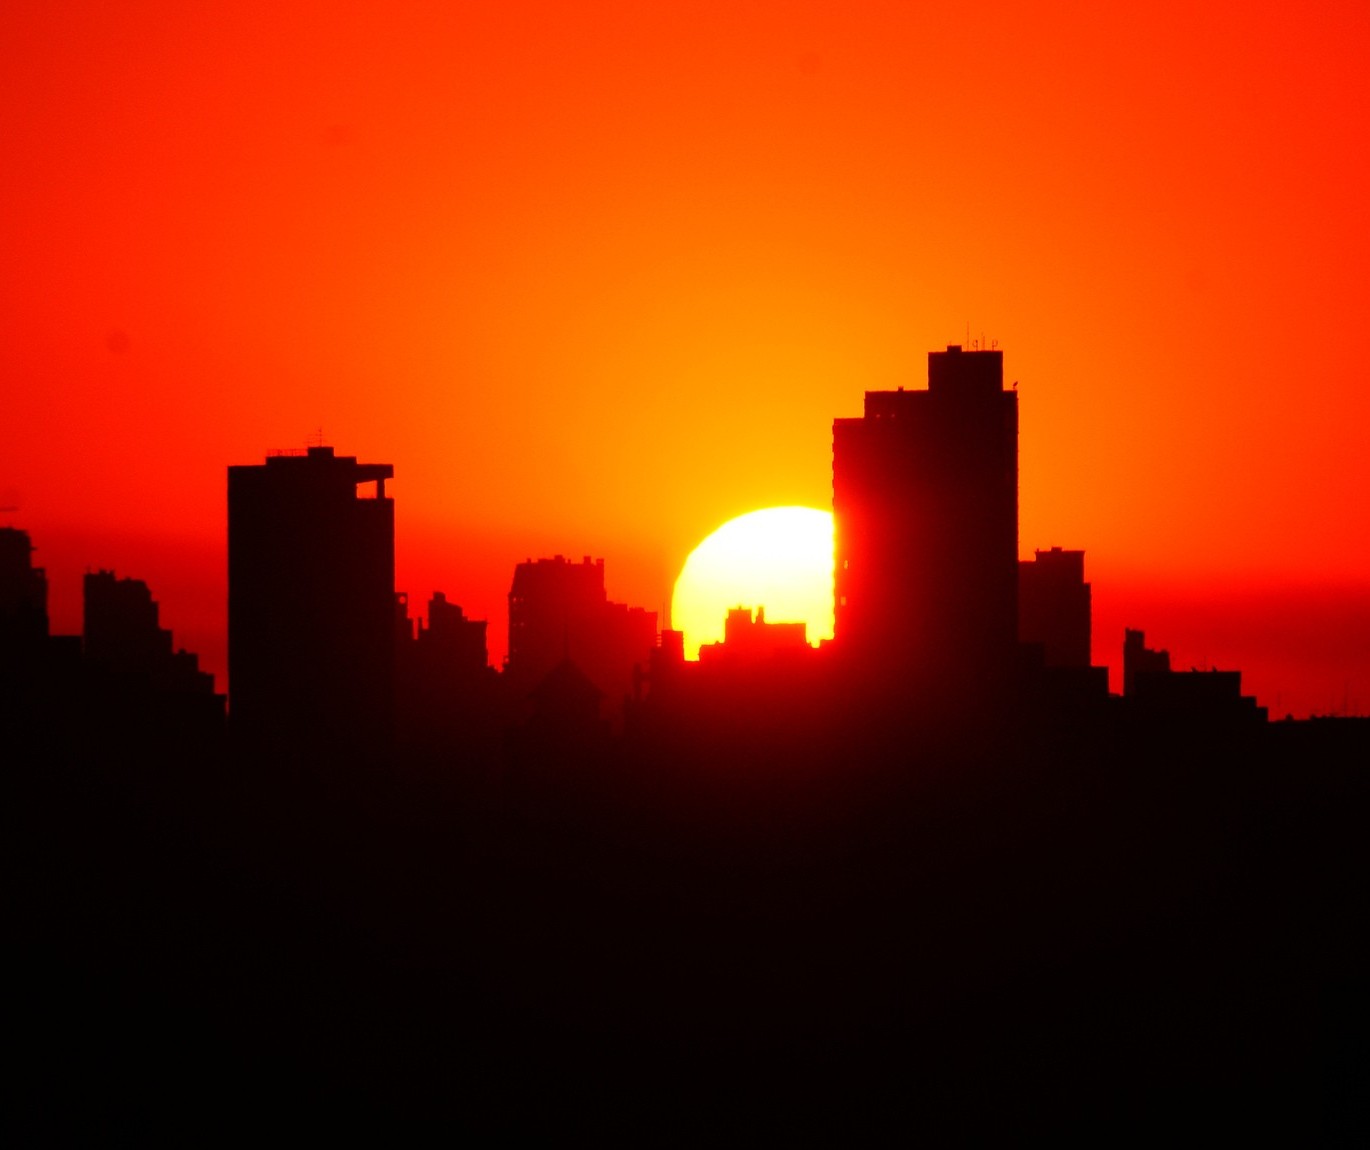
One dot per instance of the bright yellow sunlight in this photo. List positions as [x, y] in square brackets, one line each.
[779, 559]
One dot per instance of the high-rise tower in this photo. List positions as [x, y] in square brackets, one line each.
[925, 510]
[311, 602]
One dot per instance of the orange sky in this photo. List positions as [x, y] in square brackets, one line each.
[597, 277]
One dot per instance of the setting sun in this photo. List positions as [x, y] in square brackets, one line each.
[779, 558]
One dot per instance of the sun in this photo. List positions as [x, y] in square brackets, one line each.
[779, 559]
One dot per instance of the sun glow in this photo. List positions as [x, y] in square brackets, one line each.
[779, 559]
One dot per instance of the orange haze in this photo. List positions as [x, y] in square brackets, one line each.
[597, 277]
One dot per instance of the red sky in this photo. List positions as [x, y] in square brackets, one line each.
[596, 278]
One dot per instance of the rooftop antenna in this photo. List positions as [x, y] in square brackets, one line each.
[315, 439]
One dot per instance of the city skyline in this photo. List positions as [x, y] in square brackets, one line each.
[369, 346]
[935, 845]
[657, 253]
[1106, 654]
[933, 607]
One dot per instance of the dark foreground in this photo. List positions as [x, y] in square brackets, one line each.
[996, 933]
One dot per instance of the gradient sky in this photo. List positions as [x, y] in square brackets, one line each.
[598, 277]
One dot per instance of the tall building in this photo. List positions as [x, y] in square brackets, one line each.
[311, 602]
[1054, 606]
[925, 510]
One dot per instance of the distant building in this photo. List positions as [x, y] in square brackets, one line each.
[311, 602]
[445, 684]
[23, 601]
[137, 683]
[40, 673]
[122, 632]
[1156, 692]
[455, 645]
[925, 510]
[1054, 606]
[1138, 659]
[754, 640]
[558, 611]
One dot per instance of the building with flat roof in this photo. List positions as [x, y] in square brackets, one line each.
[751, 639]
[925, 517]
[1054, 605]
[311, 601]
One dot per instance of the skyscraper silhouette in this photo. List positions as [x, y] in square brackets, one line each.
[925, 509]
[1054, 604]
[311, 602]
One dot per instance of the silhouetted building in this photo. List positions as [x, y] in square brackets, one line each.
[1155, 692]
[549, 599]
[122, 632]
[1138, 659]
[925, 508]
[1054, 606]
[753, 640]
[1194, 697]
[446, 686]
[23, 601]
[121, 626]
[40, 674]
[137, 684]
[559, 610]
[457, 644]
[311, 601]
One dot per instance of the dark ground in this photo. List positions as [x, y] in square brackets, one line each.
[1123, 933]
